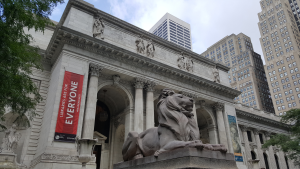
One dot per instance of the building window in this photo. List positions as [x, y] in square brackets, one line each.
[261, 138]
[249, 136]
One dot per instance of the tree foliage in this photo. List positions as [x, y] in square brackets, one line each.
[289, 143]
[17, 57]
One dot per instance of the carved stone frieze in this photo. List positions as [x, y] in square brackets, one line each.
[150, 48]
[246, 116]
[218, 106]
[185, 62]
[140, 47]
[114, 55]
[51, 158]
[139, 83]
[98, 28]
[149, 86]
[95, 69]
[188, 94]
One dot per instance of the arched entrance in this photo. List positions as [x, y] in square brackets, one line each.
[207, 125]
[113, 106]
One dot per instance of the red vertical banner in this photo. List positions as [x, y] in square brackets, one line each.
[69, 108]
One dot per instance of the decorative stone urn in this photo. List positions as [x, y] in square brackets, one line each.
[85, 148]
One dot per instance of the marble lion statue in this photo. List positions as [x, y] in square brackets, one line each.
[177, 129]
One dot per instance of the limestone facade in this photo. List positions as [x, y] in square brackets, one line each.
[120, 89]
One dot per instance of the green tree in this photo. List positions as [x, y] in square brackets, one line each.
[288, 143]
[17, 57]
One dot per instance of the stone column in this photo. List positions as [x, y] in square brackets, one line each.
[194, 110]
[221, 125]
[150, 104]
[272, 162]
[260, 155]
[246, 141]
[282, 162]
[212, 132]
[139, 105]
[90, 108]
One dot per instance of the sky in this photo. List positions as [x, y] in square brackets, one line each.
[210, 20]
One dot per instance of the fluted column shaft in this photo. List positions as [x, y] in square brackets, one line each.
[272, 162]
[139, 105]
[221, 125]
[194, 112]
[246, 141]
[91, 103]
[282, 162]
[150, 105]
[259, 150]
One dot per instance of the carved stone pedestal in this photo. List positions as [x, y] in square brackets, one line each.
[85, 147]
[183, 158]
[8, 160]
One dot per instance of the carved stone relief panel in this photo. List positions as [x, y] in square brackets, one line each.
[140, 46]
[216, 75]
[98, 28]
[150, 49]
[185, 62]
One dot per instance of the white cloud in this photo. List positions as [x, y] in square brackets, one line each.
[210, 20]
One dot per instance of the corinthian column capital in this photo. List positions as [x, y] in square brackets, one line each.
[256, 131]
[95, 69]
[218, 106]
[139, 83]
[150, 85]
[244, 128]
[267, 133]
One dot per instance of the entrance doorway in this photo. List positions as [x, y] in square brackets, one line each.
[102, 125]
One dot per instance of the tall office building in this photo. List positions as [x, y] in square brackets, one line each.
[174, 30]
[280, 41]
[247, 71]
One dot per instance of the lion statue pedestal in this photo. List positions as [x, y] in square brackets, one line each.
[175, 143]
[183, 158]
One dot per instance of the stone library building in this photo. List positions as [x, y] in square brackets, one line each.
[117, 96]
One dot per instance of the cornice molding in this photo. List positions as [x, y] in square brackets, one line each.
[68, 36]
[80, 5]
[259, 119]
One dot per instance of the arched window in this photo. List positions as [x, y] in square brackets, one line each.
[287, 162]
[266, 160]
[253, 155]
[276, 159]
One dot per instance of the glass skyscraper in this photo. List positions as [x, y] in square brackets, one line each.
[174, 30]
